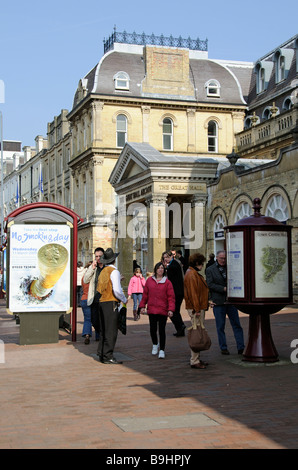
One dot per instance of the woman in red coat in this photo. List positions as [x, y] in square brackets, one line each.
[159, 297]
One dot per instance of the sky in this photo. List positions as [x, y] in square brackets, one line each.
[47, 47]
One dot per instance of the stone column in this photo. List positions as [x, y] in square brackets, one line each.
[196, 238]
[125, 244]
[191, 130]
[157, 227]
[96, 127]
[97, 189]
[146, 114]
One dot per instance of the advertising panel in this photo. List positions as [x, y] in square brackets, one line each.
[39, 267]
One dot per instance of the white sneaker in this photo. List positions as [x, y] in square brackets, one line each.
[161, 354]
[155, 349]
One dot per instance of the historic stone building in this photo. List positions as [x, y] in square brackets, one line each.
[264, 166]
[164, 147]
[171, 98]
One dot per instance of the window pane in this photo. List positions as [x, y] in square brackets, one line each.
[121, 84]
[211, 128]
[121, 130]
[167, 142]
[120, 139]
[211, 144]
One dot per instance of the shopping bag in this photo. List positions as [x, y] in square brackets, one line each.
[122, 319]
[198, 338]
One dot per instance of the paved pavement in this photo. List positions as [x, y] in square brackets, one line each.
[58, 396]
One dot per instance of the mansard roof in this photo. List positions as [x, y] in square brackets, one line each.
[233, 77]
[275, 89]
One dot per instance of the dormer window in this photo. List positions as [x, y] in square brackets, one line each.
[213, 88]
[121, 80]
[279, 68]
[263, 71]
[283, 60]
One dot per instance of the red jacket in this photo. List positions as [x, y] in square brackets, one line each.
[158, 296]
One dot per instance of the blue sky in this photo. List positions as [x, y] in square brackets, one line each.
[47, 47]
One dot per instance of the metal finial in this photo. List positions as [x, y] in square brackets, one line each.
[257, 207]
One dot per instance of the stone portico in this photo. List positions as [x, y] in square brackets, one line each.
[161, 204]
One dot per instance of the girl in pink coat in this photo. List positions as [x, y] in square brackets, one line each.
[159, 297]
[135, 290]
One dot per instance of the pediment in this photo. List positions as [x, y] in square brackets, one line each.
[132, 169]
[130, 163]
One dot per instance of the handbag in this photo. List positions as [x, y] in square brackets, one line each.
[122, 319]
[198, 338]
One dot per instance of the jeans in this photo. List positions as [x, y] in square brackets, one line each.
[87, 326]
[136, 300]
[220, 312]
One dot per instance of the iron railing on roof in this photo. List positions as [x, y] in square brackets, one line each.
[144, 39]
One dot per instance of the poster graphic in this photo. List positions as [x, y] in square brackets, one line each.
[271, 263]
[235, 264]
[39, 268]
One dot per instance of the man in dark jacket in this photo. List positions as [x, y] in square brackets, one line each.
[216, 277]
[175, 275]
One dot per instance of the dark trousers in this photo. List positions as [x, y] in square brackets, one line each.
[176, 318]
[160, 320]
[95, 309]
[108, 319]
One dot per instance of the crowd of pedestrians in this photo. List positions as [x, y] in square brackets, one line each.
[160, 297]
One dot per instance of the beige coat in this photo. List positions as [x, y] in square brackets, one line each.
[89, 279]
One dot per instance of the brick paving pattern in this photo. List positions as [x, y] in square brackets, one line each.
[58, 396]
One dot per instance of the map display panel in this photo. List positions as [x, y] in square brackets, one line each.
[271, 264]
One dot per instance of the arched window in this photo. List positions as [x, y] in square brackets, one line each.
[277, 208]
[121, 130]
[243, 211]
[260, 82]
[212, 136]
[287, 104]
[167, 133]
[219, 233]
[266, 114]
[219, 223]
[121, 80]
[212, 88]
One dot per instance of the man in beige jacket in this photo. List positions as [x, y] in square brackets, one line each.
[91, 278]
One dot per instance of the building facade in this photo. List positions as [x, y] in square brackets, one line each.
[142, 155]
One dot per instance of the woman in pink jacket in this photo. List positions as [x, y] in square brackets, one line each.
[159, 297]
[135, 290]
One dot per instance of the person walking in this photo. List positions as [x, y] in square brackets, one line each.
[80, 273]
[210, 261]
[91, 277]
[180, 257]
[174, 273]
[135, 291]
[159, 297]
[196, 300]
[87, 325]
[111, 294]
[216, 277]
